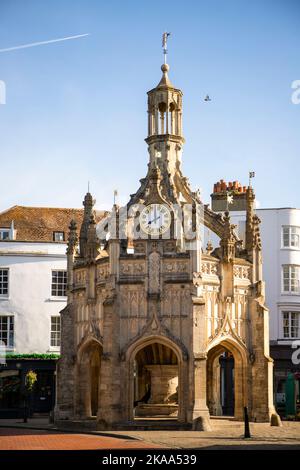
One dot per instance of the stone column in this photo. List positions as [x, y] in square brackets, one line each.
[240, 394]
[216, 383]
[110, 408]
[263, 409]
[64, 408]
[201, 421]
[200, 412]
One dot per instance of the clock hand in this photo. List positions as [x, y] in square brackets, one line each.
[154, 220]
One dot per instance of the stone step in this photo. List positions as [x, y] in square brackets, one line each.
[153, 425]
[138, 425]
[77, 425]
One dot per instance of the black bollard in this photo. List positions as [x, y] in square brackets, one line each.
[247, 434]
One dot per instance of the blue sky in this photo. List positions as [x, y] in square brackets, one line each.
[76, 110]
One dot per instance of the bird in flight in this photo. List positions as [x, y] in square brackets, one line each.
[207, 98]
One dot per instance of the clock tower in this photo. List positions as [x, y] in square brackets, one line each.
[159, 331]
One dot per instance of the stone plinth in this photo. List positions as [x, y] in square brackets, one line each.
[164, 383]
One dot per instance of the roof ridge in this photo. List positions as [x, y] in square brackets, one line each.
[9, 209]
[47, 207]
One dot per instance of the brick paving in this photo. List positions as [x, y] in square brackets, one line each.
[225, 434]
[29, 439]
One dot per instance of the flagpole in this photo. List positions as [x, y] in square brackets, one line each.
[164, 45]
[251, 175]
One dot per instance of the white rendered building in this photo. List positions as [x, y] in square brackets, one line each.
[280, 233]
[33, 281]
[280, 237]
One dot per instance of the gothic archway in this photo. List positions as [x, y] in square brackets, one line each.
[155, 380]
[226, 380]
[88, 379]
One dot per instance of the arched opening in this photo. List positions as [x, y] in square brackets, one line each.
[162, 107]
[88, 380]
[221, 399]
[155, 382]
[172, 120]
[226, 381]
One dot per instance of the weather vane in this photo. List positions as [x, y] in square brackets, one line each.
[165, 45]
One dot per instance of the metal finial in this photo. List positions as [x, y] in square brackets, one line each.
[251, 175]
[165, 45]
[88, 186]
[115, 196]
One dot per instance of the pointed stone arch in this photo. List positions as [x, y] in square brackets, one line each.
[239, 353]
[88, 365]
[159, 340]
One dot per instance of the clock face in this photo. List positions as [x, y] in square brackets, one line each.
[155, 219]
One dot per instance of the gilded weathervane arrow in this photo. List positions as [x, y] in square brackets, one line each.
[165, 44]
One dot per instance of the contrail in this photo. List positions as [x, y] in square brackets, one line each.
[33, 44]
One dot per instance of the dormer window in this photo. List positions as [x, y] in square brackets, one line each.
[4, 234]
[58, 236]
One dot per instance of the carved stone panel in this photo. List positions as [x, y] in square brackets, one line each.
[209, 268]
[154, 272]
[241, 272]
[132, 268]
[102, 272]
[176, 301]
[80, 277]
[175, 266]
[133, 301]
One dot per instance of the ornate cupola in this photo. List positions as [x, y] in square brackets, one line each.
[165, 141]
[165, 136]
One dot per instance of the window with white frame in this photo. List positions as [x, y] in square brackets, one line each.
[291, 278]
[291, 322]
[59, 283]
[3, 282]
[55, 332]
[290, 236]
[58, 236]
[4, 233]
[7, 331]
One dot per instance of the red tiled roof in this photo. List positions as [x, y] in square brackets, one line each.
[38, 223]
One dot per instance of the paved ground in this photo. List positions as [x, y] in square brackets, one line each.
[225, 434]
[228, 434]
[29, 439]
